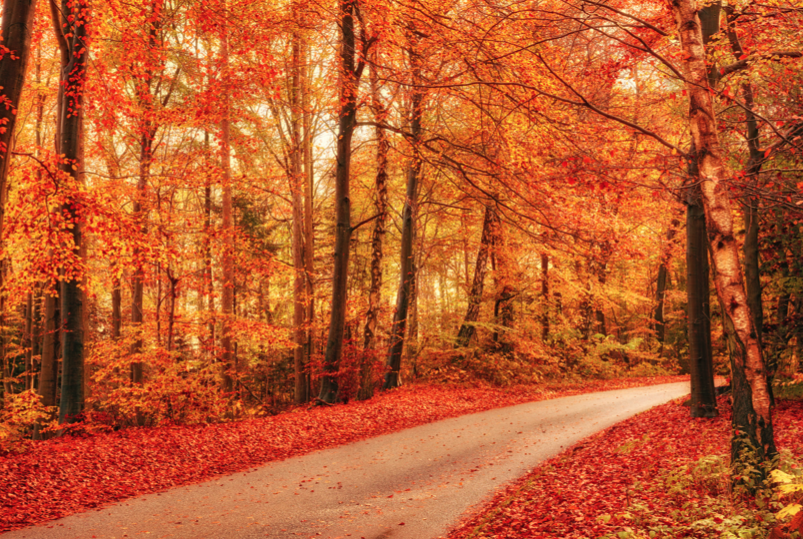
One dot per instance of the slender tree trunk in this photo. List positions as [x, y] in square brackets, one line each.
[71, 34]
[348, 82]
[296, 190]
[117, 305]
[147, 134]
[28, 343]
[703, 397]
[407, 262]
[141, 216]
[753, 443]
[229, 362]
[545, 297]
[309, 225]
[467, 329]
[209, 286]
[381, 204]
[750, 203]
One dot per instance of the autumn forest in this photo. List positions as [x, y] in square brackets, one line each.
[218, 209]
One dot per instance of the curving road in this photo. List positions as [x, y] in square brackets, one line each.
[412, 484]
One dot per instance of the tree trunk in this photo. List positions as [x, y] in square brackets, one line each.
[348, 82]
[467, 329]
[28, 343]
[545, 297]
[17, 27]
[229, 362]
[209, 286]
[753, 443]
[407, 262]
[48, 372]
[71, 34]
[750, 202]
[296, 190]
[703, 397]
[381, 204]
[309, 225]
[140, 207]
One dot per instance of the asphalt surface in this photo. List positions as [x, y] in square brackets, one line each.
[413, 484]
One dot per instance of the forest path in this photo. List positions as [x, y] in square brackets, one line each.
[411, 484]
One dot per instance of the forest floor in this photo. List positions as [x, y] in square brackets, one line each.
[54, 478]
[660, 474]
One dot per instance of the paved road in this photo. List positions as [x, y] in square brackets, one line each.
[413, 484]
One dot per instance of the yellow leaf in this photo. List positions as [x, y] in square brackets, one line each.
[795, 487]
[779, 476]
[789, 511]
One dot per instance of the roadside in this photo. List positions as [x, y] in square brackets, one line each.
[660, 474]
[59, 477]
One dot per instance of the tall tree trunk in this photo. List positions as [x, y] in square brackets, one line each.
[750, 202]
[209, 285]
[467, 329]
[70, 28]
[296, 190]
[545, 297]
[17, 27]
[753, 443]
[349, 77]
[381, 204]
[229, 362]
[703, 397]
[140, 206]
[141, 216]
[28, 343]
[407, 262]
[309, 225]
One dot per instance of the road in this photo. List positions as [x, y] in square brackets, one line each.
[413, 484]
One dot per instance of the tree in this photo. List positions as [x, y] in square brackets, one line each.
[349, 73]
[69, 23]
[753, 443]
[16, 28]
[412, 174]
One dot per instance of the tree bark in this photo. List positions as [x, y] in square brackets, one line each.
[407, 261]
[703, 396]
[377, 236]
[750, 203]
[296, 190]
[467, 329]
[309, 225]
[227, 300]
[70, 29]
[48, 372]
[349, 77]
[17, 28]
[753, 443]
[545, 297]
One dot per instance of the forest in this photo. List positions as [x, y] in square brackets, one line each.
[218, 209]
